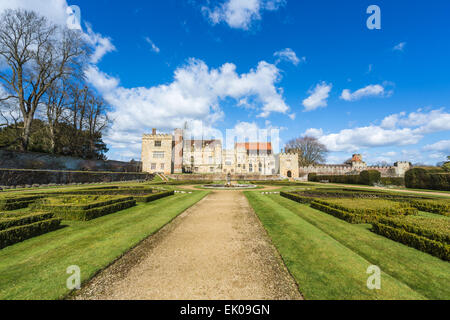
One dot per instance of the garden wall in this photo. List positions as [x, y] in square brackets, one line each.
[44, 161]
[21, 177]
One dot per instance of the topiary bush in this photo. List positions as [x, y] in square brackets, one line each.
[369, 177]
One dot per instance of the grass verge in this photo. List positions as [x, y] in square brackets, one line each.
[36, 268]
[329, 257]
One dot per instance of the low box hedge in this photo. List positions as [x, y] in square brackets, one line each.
[153, 197]
[441, 207]
[59, 203]
[297, 197]
[435, 248]
[421, 227]
[6, 223]
[17, 202]
[343, 215]
[93, 213]
[20, 233]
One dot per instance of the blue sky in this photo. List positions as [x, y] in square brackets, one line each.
[303, 67]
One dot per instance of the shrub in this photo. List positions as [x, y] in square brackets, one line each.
[341, 214]
[392, 181]
[369, 177]
[434, 206]
[420, 178]
[437, 229]
[21, 233]
[436, 248]
[6, 223]
[89, 214]
[312, 177]
[153, 197]
[296, 197]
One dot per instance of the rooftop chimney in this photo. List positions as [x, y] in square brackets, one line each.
[153, 131]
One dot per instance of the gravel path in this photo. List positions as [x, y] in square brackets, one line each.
[217, 249]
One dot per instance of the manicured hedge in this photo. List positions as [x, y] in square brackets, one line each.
[369, 177]
[341, 214]
[420, 227]
[392, 181]
[17, 234]
[17, 202]
[420, 178]
[182, 182]
[435, 248]
[434, 206]
[86, 215]
[153, 197]
[399, 210]
[6, 223]
[348, 179]
[297, 197]
[55, 203]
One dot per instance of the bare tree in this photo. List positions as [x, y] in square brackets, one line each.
[309, 149]
[37, 54]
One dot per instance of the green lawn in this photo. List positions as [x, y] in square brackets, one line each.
[329, 257]
[36, 268]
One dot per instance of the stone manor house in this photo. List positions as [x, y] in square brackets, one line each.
[173, 154]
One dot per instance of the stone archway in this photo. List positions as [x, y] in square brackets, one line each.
[289, 174]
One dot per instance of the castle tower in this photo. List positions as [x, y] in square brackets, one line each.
[289, 165]
[157, 153]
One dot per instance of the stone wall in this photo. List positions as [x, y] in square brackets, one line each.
[44, 161]
[17, 177]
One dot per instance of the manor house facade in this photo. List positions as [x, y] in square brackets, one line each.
[172, 153]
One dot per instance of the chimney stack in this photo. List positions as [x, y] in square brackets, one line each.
[153, 131]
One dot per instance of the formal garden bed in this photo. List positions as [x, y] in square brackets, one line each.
[392, 215]
[19, 226]
[83, 207]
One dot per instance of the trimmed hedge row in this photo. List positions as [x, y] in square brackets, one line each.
[110, 191]
[17, 234]
[6, 223]
[420, 178]
[278, 183]
[153, 197]
[343, 215]
[86, 215]
[373, 212]
[433, 206]
[18, 202]
[297, 197]
[392, 181]
[366, 177]
[417, 229]
[435, 248]
[182, 182]
[47, 205]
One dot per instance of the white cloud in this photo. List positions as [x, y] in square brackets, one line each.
[318, 97]
[194, 94]
[152, 44]
[395, 130]
[369, 91]
[102, 45]
[422, 122]
[442, 146]
[400, 46]
[240, 14]
[288, 55]
[56, 12]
